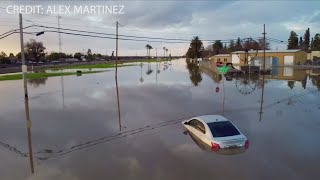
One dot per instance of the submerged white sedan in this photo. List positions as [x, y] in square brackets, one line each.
[217, 132]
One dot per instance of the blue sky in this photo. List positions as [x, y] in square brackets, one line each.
[169, 19]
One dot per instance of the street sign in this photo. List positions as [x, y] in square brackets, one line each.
[223, 69]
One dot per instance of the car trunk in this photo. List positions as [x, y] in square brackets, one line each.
[228, 141]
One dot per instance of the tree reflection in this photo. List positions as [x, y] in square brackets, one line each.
[316, 81]
[149, 70]
[304, 82]
[37, 82]
[194, 71]
[291, 84]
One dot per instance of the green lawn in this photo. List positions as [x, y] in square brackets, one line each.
[40, 75]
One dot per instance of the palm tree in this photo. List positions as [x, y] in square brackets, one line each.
[164, 52]
[148, 47]
[196, 48]
[167, 52]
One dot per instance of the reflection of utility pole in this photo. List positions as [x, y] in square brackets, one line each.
[156, 72]
[141, 78]
[26, 98]
[224, 96]
[116, 76]
[262, 95]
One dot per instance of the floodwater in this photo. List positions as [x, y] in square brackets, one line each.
[76, 133]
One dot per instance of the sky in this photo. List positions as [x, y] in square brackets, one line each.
[210, 20]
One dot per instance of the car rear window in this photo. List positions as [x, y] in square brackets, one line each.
[222, 129]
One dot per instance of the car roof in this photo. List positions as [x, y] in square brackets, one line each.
[211, 118]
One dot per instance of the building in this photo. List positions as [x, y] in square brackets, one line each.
[311, 56]
[223, 58]
[273, 57]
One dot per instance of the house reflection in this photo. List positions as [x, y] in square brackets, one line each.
[207, 148]
[289, 74]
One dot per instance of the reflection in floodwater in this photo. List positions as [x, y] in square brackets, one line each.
[28, 125]
[291, 84]
[246, 85]
[194, 71]
[141, 78]
[261, 99]
[149, 70]
[118, 101]
[207, 148]
[37, 82]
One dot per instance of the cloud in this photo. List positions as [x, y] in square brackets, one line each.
[174, 19]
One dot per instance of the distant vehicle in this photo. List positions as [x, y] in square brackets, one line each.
[218, 64]
[217, 132]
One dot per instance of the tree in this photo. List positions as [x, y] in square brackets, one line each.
[164, 52]
[11, 55]
[231, 46]
[301, 44]
[316, 42]
[89, 55]
[260, 42]
[34, 50]
[307, 39]
[4, 58]
[238, 46]
[18, 55]
[77, 55]
[148, 49]
[311, 45]
[195, 49]
[293, 41]
[217, 46]
[54, 56]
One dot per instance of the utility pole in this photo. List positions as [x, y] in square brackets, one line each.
[264, 66]
[60, 50]
[117, 26]
[60, 44]
[264, 47]
[26, 97]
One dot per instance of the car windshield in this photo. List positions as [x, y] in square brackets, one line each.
[223, 129]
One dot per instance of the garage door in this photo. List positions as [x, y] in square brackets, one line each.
[288, 60]
[235, 59]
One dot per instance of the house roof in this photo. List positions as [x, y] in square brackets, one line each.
[270, 51]
[221, 55]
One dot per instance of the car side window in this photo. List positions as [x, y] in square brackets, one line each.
[193, 123]
[197, 125]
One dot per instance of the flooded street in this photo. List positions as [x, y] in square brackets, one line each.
[76, 132]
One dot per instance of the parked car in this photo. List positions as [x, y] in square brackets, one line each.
[217, 132]
[205, 147]
[218, 64]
